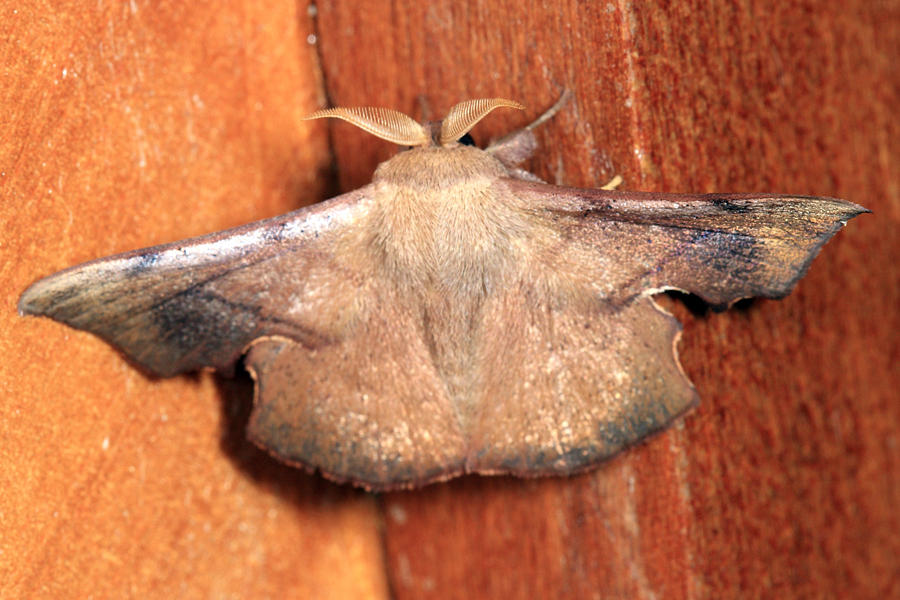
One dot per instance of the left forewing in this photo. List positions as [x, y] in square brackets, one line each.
[200, 302]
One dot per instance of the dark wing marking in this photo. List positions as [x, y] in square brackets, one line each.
[722, 247]
[178, 307]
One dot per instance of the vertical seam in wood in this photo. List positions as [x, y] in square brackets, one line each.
[641, 164]
[322, 88]
[385, 551]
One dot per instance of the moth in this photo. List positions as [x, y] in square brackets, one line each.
[456, 315]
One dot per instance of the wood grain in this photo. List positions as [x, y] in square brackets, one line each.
[782, 483]
[129, 125]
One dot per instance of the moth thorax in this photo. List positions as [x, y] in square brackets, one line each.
[433, 168]
[440, 221]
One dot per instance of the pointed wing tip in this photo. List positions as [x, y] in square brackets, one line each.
[843, 209]
[44, 297]
[30, 302]
[854, 210]
[24, 307]
[50, 297]
[851, 209]
[843, 212]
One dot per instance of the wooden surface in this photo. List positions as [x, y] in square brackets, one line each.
[126, 124]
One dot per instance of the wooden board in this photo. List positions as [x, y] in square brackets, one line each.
[124, 126]
[132, 125]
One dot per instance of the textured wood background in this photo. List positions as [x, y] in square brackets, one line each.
[126, 124]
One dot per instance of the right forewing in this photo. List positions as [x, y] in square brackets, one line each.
[722, 247]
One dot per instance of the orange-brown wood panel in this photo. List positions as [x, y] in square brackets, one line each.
[784, 482]
[127, 124]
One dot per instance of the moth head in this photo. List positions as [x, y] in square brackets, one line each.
[396, 127]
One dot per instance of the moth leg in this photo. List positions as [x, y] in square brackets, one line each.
[613, 183]
[513, 149]
[517, 147]
[517, 173]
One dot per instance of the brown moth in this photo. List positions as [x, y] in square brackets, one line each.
[457, 315]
